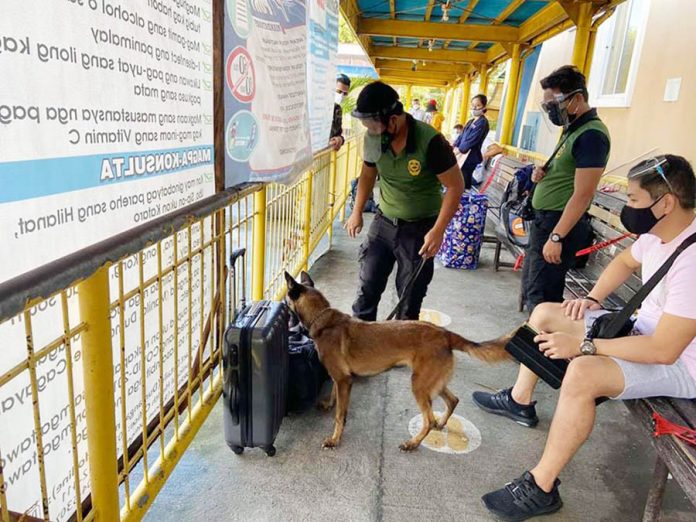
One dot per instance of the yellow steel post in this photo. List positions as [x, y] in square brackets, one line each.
[593, 39]
[307, 220]
[98, 371]
[466, 95]
[332, 193]
[511, 95]
[453, 109]
[590, 53]
[448, 107]
[582, 35]
[445, 109]
[407, 99]
[483, 84]
[259, 246]
[347, 180]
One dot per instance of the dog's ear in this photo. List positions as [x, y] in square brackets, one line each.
[306, 280]
[294, 288]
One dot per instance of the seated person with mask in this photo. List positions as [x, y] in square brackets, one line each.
[658, 358]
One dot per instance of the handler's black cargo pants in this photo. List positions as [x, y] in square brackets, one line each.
[389, 241]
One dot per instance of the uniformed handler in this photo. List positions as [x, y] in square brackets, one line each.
[413, 162]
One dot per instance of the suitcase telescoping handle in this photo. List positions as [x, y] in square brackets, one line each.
[236, 254]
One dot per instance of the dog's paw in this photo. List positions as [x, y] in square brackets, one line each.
[329, 443]
[408, 446]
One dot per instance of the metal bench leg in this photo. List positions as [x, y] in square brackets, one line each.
[496, 258]
[653, 506]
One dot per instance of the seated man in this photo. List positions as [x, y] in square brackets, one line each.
[658, 359]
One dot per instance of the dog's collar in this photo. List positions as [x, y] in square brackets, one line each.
[316, 317]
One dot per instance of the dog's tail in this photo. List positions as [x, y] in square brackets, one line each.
[489, 351]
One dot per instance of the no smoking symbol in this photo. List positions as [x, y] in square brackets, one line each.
[241, 78]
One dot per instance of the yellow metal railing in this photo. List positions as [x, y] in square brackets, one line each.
[111, 357]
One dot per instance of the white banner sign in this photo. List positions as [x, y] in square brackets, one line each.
[105, 123]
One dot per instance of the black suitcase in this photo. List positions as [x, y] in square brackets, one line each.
[255, 372]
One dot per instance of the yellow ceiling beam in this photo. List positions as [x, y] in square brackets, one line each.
[407, 65]
[548, 22]
[511, 8]
[430, 75]
[461, 32]
[467, 11]
[436, 55]
[392, 15]
[417, 76]
[545, 19]
[349, 10]
[429, 10]
[407, 81]
[414, 79]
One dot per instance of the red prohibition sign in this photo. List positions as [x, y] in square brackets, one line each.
[240, 74]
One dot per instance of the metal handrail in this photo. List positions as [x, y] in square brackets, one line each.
[20, 292]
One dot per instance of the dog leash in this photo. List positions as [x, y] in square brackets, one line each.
[407, 288]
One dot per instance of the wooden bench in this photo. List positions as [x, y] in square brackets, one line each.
[605, 222]
[674, 456]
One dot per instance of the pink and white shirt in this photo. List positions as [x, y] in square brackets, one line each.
[675, 294]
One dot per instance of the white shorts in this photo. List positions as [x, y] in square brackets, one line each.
[650, 380]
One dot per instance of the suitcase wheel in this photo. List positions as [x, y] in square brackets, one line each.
[238, 450]
[270, 450]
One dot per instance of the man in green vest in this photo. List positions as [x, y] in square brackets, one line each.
[413, 162]
[561, 227]
[565, 190]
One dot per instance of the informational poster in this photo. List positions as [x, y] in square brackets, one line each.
[267, 112]
[105, 120]
[321, 74]
[105, 123]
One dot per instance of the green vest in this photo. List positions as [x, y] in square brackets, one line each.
[409, 189]
[557, 186]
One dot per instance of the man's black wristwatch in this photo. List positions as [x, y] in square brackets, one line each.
[556, 238]
[588, 347]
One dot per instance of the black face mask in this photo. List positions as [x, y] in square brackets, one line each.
[640, 220]
[556, 114]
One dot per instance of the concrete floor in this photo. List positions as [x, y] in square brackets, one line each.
[368, 478]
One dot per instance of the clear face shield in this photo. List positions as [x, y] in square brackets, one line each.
[375, 141]
[650, 169]
[649, 164]
[555, 110]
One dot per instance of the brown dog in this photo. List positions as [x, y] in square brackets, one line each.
[348, 347]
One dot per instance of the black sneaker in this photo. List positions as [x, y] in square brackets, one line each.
[522, 499]
[502, 403]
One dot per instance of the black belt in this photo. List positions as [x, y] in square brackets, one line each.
[400, 222]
